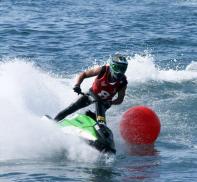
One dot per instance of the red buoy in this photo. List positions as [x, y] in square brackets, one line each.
[140, 125]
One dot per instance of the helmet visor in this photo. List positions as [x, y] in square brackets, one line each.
[119, 68]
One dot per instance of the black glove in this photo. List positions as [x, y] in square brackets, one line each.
[77, 89]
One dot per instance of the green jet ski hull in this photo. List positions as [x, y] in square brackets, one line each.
[87, 128]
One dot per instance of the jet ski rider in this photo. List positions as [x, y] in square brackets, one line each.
[110, 80]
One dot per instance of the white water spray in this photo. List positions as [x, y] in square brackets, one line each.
[142, 69]
[27, 93]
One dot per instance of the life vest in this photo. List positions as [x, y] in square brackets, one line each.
[103, 88]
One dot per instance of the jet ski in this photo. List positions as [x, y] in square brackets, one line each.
[87, 128]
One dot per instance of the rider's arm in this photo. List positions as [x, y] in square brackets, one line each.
[121, 95]
[86, 74]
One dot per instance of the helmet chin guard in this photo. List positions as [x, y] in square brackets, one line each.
[116, 76]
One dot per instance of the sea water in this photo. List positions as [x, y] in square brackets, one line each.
[45, 44]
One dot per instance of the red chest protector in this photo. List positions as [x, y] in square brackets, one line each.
[103, 88]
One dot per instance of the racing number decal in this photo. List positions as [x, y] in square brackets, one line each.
[103, 94]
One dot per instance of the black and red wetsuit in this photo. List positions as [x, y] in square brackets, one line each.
[102, 89]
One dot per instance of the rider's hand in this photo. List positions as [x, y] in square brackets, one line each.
[77, 89]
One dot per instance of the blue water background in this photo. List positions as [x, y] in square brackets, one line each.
[65, 37]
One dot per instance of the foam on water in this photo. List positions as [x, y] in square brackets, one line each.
[143, 68]
[27, 93]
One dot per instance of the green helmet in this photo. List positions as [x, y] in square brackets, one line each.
[118, 65]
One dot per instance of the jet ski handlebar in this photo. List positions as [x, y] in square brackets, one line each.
[93, 98]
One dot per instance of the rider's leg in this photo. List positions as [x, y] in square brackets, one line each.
[83, 101]
[100, 108]
[100, 112]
